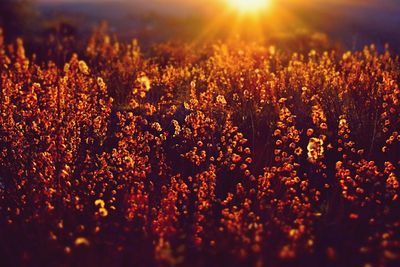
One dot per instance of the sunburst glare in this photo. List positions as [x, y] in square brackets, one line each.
[249, 6]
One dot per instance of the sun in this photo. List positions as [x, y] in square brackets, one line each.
[248, 6]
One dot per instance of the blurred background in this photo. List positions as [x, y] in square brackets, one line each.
[350, 24]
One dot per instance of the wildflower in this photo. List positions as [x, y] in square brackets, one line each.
[236, 158]
[83, 67]
[103, 212]
[177, 127]
[81, 241]
[145, 83]
[101, 83]
[343, 123]
[282, 100]
[346, 55]
[221, 100]
[186, 105]
[133, 104]
[99, 202]
[298, 151]
[392, 181]
[156, 126]
[315, 149]
[66, 67]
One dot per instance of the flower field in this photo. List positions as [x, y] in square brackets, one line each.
[229, 154]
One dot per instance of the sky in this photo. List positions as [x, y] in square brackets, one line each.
[366, 20]
[379, 4]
